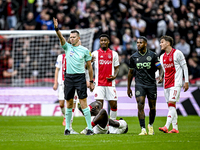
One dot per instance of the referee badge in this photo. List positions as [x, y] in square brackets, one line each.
[149, 58]
[71, 53]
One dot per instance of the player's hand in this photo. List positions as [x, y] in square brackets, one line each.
[160, 79]
[186, 86]
[91, 87]
[111, 78]
[55, 22]
[55, 86]
[129, 93]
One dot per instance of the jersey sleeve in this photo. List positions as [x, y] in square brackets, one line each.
[65, 47]
[115, 59]
[132, 63]
[180, 58]
[157, 60]
[59, 61]
[88, 55]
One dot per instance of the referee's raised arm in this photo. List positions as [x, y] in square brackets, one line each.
[60, 36]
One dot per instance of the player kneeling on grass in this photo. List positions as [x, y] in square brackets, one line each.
[102, 124]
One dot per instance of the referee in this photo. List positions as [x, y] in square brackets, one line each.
[76, 56]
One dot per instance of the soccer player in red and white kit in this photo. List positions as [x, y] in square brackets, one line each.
[106, 70]
[174, 66]
[59, 84]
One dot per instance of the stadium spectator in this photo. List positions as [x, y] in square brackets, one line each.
[197, 46]
[75, 75]
[2, 16]
[106, 70]
[126, 38]
[174, 66]
[44, 19]
[30, 23]
[123, 69]
[153, 45]
[177, 38]
[143, 65]
[194, 69]
[138, 25]
[11, 10]
[116, 46]
[8, 72]
[183, 47]
[190, 40]
[162, 25]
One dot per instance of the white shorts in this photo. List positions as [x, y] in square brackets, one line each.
[172, 94]
[105, 93]
[119, 130]
[61, 93]
[99, 130]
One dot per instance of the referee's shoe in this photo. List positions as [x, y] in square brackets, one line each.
[67, 132]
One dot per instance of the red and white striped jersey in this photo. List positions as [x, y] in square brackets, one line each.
[61, 64]
[173, 72]
[105, 61]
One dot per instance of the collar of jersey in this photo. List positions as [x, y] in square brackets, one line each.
[144, 53]
[103, 50]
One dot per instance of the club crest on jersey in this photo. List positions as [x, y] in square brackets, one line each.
[109, 56]
[137, 93]
[170, 58]
[71, 53]
[149, 58]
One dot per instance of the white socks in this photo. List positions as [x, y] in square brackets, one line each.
[113, 114]
[172, 118]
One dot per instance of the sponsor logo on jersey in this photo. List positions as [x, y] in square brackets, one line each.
[168, 65]
[144, 65]
[90, 54]
[106, 62]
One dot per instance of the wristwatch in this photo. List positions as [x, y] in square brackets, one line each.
[91, 81]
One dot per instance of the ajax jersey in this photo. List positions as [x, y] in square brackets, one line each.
[61, 64]
[105, 61]
[172, 63]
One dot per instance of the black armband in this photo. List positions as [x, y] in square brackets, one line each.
[91, 81]
[56, 29]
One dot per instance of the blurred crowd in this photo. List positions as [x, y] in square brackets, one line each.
[122, 20]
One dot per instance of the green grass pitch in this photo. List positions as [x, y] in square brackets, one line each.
[47, 133]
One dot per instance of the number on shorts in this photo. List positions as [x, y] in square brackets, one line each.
[175, 92]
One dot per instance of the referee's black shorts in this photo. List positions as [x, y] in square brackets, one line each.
[150, 92]
[72, 82]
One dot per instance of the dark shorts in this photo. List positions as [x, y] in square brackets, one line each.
[150, 92]
[72, 82]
